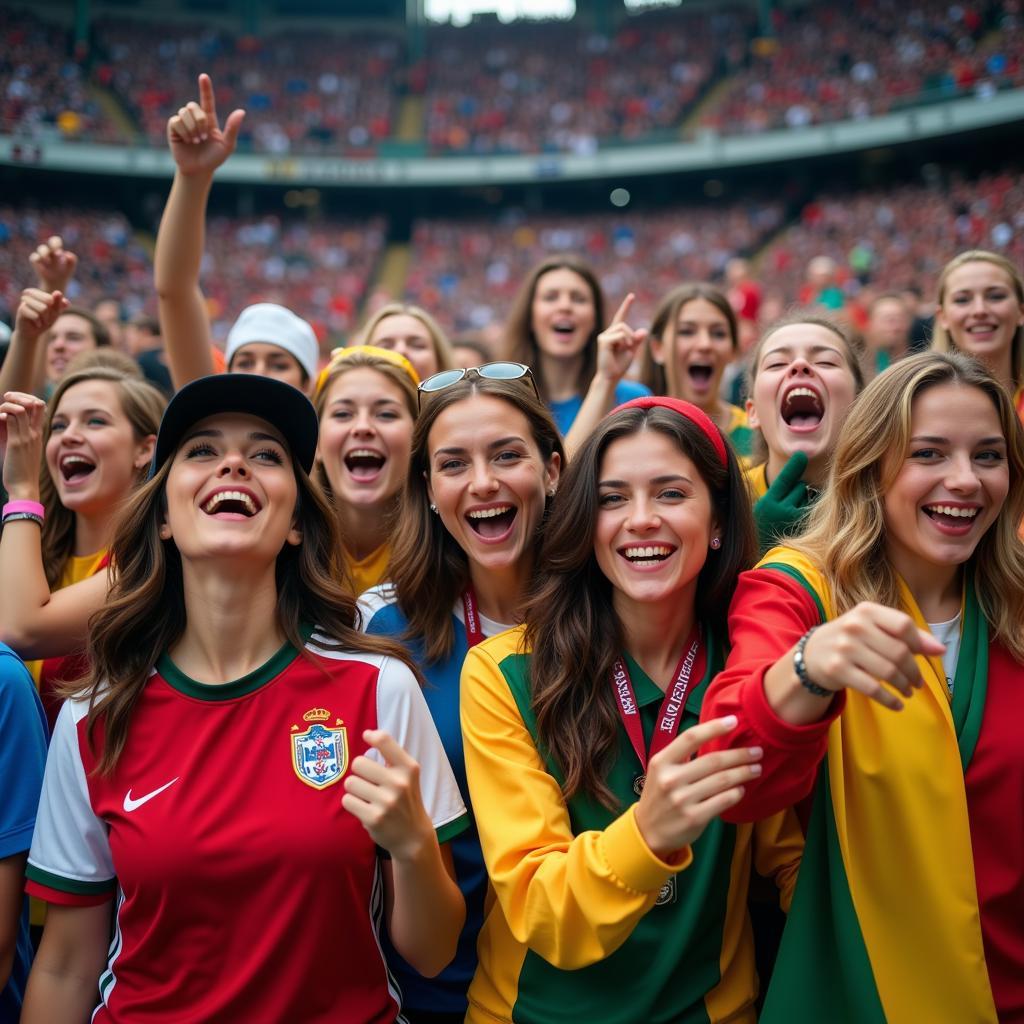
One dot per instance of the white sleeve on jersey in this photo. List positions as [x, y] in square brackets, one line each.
[403, 713]
[371, 601]
[69, 841]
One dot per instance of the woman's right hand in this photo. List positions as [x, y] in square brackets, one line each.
[21, 436]
[198, 144]
[683, 792]
[618, 344]
[867, 647]
[37, 312]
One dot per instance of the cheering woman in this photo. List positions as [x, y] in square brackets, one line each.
[909, 580]
[620, 895]
[252, 787]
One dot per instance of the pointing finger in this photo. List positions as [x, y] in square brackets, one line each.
[623, 311]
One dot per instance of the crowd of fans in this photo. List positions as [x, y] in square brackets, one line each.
[830, 63]
[489, 88]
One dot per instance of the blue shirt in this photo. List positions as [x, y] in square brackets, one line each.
[22, 760]
[446, 993]
[564, 412]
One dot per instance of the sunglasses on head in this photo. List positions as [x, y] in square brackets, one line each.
[488, 371]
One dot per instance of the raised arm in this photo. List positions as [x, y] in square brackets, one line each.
[34, 622]
[199, 147]
[616, 348]
[24, 367]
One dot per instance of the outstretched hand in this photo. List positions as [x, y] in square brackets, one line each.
[619, 343]
[198, 143]
[54, 265]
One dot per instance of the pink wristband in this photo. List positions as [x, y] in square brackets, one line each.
[32, 507]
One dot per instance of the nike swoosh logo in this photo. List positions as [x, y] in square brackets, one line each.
[133, 805]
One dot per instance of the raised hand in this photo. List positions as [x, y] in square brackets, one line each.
[866, 647]
[386, 798]
[618, 344]
[683, 792]
[784, 504]
[38, 312]
[21, 440]
[54, 265]
[198, 143]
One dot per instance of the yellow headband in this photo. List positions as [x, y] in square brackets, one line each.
[339, 355]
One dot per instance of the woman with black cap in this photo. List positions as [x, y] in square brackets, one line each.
[194, 780]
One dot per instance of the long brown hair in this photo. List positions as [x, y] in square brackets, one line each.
[141, 403]
[429, 570]
[520, 341]
[845, 533]
[654, 374]
[438, 339]
[145, 614]
[571, 625]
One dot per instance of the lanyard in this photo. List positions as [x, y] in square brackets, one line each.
[670, 715]
[471, 617]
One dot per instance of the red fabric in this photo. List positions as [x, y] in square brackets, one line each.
[995, 805]
[770, 611]
[66, 899]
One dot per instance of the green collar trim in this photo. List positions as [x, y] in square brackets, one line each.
[247, 684]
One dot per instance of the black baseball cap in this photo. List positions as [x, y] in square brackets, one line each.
[281, 405]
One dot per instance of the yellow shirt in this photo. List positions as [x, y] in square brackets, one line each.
[757, 480]
[369, 571]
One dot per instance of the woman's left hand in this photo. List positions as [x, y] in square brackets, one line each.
[21, 439]
[386, 798]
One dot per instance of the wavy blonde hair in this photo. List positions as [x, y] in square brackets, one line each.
[438, 339]
[941, 340]
[846, 533]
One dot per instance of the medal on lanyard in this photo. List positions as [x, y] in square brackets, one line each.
[471, 617]
[670, 715]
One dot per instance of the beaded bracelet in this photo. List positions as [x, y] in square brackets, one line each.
[31, 507]
[800, 668]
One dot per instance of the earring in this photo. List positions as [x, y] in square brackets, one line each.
[164, 532]
[716, 543]
[433, 508]
[551, 492]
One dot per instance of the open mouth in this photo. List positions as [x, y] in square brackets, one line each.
[982, 330]
[647, 554]
[364, 463]
[566, 328]
[232, 504]
[492, 523]
[700, 374]
[74, 468]
[956, 517]
[802, 408]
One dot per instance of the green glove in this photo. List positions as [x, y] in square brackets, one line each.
[779, 511]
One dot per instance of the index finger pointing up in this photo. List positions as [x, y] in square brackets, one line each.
[623, 311]
[206, 100]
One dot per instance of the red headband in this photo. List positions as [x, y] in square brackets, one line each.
[685, 409]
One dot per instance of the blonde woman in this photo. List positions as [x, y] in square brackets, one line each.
[366, 403]
[905, 594]
[411, 332]
[981, 313]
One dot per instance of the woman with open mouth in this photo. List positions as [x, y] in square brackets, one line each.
[70, 467]
[553, 328]
[249, 787]
[486, 458]
[619, 894]
[804, 375]
[366, 401]
[879, 661]
[981, 313]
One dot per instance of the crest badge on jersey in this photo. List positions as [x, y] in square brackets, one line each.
[320, 753]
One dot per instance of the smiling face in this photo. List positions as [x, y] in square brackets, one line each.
[488, 479]
[981, 311]
[92, 452]
[695, 349]
[69, 335]
[365, 438]
[409, 337]
[952, 480]
[655, 521]
[231, 492]
[269, 361]
[562, 314]
[802, 390]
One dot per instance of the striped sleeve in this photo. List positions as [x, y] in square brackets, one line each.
[403, 713]
[70, 860]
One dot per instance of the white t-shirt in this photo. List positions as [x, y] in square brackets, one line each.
[948, 633]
